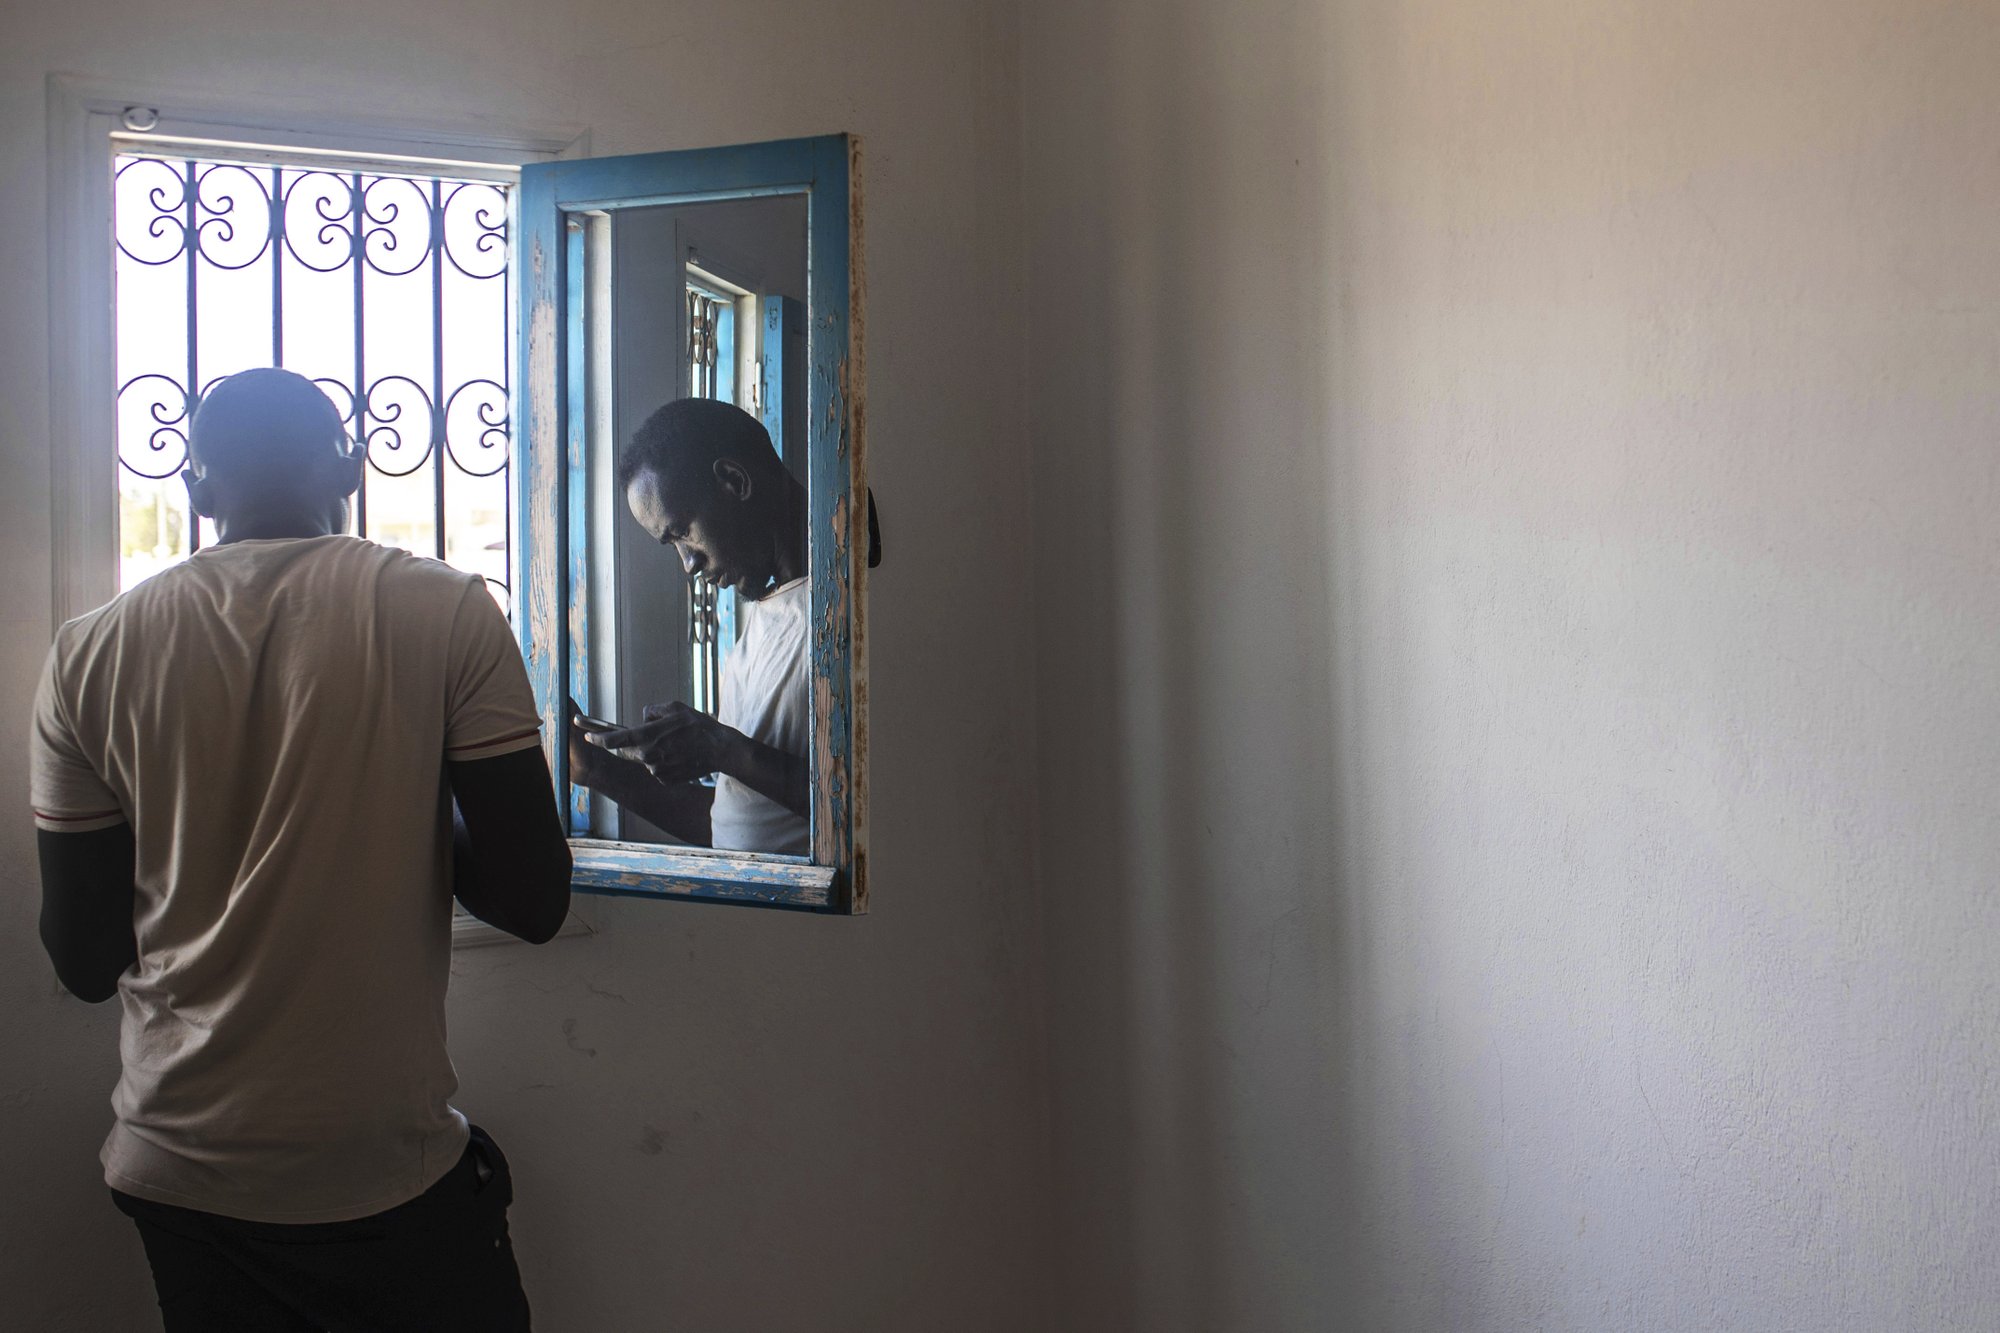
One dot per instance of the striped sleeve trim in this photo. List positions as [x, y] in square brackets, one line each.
[519, 740]
[85, 823]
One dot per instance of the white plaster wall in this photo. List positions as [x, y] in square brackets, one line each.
[721, 1119]
[1518, 627]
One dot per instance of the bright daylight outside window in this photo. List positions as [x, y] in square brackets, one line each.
[390, 290]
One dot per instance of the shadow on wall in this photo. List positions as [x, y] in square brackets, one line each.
[1183, 371]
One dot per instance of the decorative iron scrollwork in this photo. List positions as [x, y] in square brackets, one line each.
[155, 444]
[322, 240]
[487, 406]
[481, 210]
[437, 408]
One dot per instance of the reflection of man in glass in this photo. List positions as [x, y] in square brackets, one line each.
[702, 475]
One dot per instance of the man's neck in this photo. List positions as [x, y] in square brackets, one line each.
[789, 545]
[272, 527]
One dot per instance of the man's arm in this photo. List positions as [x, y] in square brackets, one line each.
[770, 772]
[87, 897]
[510, 863]
[676, 743]
[681, 808]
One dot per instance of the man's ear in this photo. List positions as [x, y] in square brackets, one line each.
[201, 492]
[733, 477]
[343, 470]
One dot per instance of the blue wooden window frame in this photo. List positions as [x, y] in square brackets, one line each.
[551, 509]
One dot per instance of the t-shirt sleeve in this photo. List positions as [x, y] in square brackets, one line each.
[491, 708]
[67, 794]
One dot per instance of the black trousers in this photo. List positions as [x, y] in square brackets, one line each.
[440, 1263]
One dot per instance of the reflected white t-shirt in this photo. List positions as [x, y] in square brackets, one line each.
[273, 719]
[765, 684]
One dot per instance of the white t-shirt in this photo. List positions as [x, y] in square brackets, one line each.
[273, 718]
[765, 686]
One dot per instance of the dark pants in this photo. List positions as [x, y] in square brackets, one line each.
[438, 1264]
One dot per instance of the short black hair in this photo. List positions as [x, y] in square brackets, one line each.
[688, 434]
[264, 423]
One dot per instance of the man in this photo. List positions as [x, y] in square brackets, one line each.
[243, 776]
[702, 476]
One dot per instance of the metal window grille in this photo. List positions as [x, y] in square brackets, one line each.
[707, 604]
[705, 634]
[390, 291]
[705, 313]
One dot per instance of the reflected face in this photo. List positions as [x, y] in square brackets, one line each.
[715, 540]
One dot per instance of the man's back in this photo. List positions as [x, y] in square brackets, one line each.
[274, 717]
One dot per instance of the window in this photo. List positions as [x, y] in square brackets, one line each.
[190, 240]
[390, 289]
[272, 277]
[769, 232]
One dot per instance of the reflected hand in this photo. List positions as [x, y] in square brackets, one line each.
[675, 742]
[590, 764]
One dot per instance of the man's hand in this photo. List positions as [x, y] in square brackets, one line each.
[678, 806]
[590, 764]
[675, 743]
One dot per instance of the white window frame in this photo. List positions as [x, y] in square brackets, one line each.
[87, 119]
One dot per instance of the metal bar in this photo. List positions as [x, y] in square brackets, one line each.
[694, 345]
[507, 377]
[437, 361]
[711, 602]
[277, 266]
[193, 338]
[708, 681]
[697, 595]
[360, 359]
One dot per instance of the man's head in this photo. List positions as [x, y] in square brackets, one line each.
[702, 476]
[268, 457]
